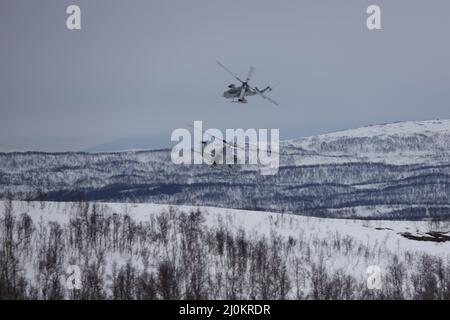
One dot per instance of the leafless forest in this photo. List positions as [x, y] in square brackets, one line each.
[176, 255]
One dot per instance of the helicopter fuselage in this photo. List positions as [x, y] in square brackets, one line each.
[235, 92]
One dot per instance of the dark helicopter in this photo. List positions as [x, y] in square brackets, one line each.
[244, 90]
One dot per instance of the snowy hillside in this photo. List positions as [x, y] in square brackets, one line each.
[412, 142]
[398, 171]
[372, 232]
[149, 251]
[406, 128]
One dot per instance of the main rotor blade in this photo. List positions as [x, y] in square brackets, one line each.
[250, 73]
[251, 147]
[232, 145]
[213, 136]
[228, 70]
[264, 96]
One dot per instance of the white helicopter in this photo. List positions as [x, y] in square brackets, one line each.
[220, 159]
[244, 90]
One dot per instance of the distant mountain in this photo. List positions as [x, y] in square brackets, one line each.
[143, 142]
[399, 170]
[411, 142]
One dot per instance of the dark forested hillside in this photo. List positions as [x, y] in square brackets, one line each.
[398, 170]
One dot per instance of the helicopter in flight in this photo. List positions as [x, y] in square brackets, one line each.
[244, 90]
[216, 152]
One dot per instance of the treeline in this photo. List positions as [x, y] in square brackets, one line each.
[178, 255]
[150, 176]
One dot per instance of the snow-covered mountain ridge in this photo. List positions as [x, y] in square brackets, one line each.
[426, 127]
[395, 143]
[399, 170]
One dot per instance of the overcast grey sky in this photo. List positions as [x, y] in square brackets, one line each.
[140, 69]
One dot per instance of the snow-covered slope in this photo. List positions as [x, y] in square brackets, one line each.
[405, 128]
[222, 253]
[375, 232]
[410, 142]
